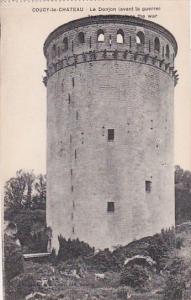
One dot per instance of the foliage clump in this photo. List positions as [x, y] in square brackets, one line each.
[25, 190]
[157, 247]
[178, 283]
[135, 276]
[70, 249]
[13, 258]
[31, 226]
[104, 261]
[123, 292]
[182, 195]
[22, 285]
[25, 205]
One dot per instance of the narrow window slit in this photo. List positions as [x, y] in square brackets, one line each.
[81, 38]
[130, 41]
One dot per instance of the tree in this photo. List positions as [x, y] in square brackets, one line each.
[25, 203]
[25, 189]
[183, 178]
[29, 178]
[39, 199]
[178, 174]
[182, 195]
[14, 191]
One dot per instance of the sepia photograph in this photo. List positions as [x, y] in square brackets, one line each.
[96, 150]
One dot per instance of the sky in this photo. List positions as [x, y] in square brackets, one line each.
[23, 95]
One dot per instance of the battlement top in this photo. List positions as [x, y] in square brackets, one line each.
[105, 19]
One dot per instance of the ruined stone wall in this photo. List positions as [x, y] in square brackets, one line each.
[95, 86]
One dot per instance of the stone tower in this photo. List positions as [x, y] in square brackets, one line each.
[110, 87]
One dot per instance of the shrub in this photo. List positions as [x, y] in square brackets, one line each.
[178, 283]
[157, 247]
[13, 258]
[179, 242]
[31, 227]
[21, 286]
[175, 287]
[157, 250]
[38, 241]
[122, 292]
[77, 264]
[52, 258]
[104, 261]
[135, 276]
[69, 249]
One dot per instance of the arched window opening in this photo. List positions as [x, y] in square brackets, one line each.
[157, 44]
[81, 38]
[120, 36]
[140, 38]
[65, 42]
[167, 51]
[100, 36]
[53, 51]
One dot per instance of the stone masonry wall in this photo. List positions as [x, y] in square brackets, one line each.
[132, 95]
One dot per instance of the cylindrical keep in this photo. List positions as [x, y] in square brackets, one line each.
[110, 85]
